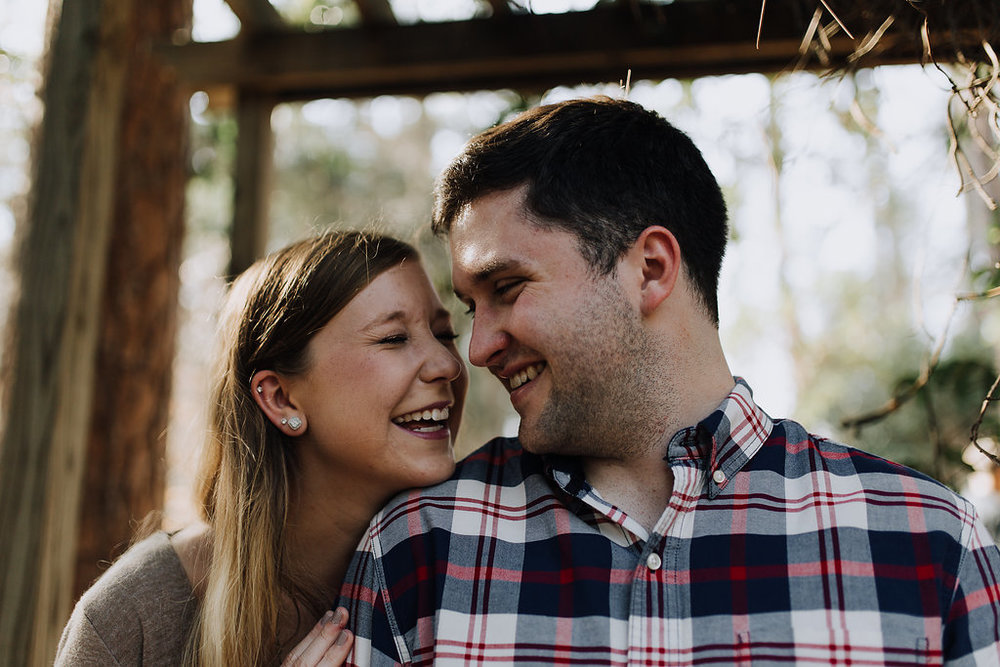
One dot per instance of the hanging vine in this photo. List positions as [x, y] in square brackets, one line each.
[955, 37]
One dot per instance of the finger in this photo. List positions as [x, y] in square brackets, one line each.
[300, 648]
[337, 654]
[323, 635]
[329, 629]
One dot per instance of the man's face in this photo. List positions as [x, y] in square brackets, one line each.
[567, 345]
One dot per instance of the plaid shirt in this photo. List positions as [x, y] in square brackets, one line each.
[777, 547]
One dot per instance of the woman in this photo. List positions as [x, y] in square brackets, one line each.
[338, 386]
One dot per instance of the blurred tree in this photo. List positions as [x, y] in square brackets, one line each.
[92, 332]
[125, 455]
[871, 345]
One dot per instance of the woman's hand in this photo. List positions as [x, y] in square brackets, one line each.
[326, 644]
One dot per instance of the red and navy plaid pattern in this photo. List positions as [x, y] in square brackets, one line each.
[777, 547]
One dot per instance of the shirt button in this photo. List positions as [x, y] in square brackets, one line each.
[653, 562]
[719, 476]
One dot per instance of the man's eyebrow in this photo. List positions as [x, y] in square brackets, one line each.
[492, 267]
[487, 270]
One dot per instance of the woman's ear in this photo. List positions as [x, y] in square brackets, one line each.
[271, 395]
[659, 257]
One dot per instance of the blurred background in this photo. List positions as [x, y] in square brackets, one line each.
[849, 238]
[860, 259]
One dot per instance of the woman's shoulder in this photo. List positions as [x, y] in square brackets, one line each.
[150, 568]
[140, 609]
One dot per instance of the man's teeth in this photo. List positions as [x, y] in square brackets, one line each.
[436, 415]
[529, 373]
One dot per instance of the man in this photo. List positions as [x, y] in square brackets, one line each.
[649, 512]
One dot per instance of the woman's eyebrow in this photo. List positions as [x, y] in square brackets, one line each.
[384, 319]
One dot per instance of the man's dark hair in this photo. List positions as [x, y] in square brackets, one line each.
[604, 170]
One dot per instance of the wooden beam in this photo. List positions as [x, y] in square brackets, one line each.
[376, 12]
[248, 236]
[680, 40]
[500, 7]
[256, 16]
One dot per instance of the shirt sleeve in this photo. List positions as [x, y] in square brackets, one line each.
[972, 630]
[365, 594]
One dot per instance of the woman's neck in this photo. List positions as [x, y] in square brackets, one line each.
[328, 513]
[322, 531]
[193, 545]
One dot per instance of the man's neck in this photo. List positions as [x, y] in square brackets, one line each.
[639, 487]
[641, 483]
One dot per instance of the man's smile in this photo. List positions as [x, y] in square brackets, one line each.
[524, 375]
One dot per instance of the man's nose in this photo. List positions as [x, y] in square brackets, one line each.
[489, 339]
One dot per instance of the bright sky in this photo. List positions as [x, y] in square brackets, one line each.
[21, 26]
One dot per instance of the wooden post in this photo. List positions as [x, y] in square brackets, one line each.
[248, 236]
[126, 467]
[56, 327]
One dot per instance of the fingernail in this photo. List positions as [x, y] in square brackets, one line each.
[339, 616]
[342, 639]
[327, 617]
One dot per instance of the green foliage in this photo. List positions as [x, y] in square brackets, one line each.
[210, 184]
[319, 14]
[931, 431]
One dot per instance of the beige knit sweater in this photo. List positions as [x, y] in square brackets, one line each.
[139, 612]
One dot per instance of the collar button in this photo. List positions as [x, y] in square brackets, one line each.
[653, 562]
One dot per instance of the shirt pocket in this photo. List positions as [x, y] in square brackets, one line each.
[834, 646]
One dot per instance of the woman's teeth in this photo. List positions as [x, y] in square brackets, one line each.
[436, 415]
[529, 373]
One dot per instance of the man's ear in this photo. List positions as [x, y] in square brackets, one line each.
[659, 259]
[271, 395]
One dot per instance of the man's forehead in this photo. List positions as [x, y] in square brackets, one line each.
[479, 240]
[475, 258]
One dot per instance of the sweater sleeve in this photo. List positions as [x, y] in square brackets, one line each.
[82, 644]
[140, 611]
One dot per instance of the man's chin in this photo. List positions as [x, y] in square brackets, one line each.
[527, 438]
[537, 443]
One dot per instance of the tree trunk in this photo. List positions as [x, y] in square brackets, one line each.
[126, 467]
[74, 237]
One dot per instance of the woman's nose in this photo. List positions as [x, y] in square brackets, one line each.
[443, 364]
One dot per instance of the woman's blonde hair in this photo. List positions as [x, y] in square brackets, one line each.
[272, 311]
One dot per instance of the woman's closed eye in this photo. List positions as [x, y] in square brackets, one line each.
[394, 339]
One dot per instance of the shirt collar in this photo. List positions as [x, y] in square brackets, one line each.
[724, 441]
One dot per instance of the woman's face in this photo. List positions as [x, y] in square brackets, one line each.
[383, 391]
